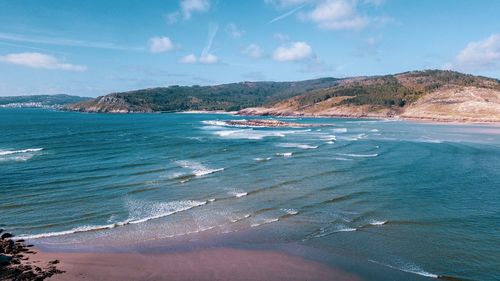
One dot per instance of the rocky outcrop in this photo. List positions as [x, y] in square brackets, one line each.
[112, 103]
[15, 261]
[268, 123]
[450, 104]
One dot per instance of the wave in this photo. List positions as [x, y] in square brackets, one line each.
[262, 159]
[342, 159]
[322, 232]
[339, 130]
[197, 168]
[297, 145]
[408, 267]
[265, 221]
[238, 194]
[154, 211]
[290, 211]
[214, 123]
[377, 223]
[240, 218]
[248, 134]
[285, 154]
[358, 155]
[10, 152]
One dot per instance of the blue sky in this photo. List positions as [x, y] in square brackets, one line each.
[92, 48]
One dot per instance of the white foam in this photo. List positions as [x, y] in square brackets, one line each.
[139, 212]
[285, 154]
[265, 221]
[262, 159]
[197, 168]
[250, 134]
[18, 155]
[238, 194]
[9, 152]
[410, 268]
[330, 142]
[347, 229]
[240, 218]
[376, 222]
[214, 122]
[290, 211]
[144, 211]
[297, 145]
[374, 130]
[358, 155]
[342, 159]
[339, 130]
[79, 229]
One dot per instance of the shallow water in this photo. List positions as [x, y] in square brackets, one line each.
[421, 198]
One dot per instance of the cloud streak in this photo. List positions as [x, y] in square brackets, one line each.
[206, 56]
[287, 14]
[66, 42]
[39, 60]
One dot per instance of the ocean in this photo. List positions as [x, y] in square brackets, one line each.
[406, 196]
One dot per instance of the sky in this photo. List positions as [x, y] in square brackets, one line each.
[94, 47]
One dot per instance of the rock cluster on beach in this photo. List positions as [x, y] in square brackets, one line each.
[15, 264]
[267, 123]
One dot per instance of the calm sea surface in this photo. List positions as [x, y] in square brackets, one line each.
[415, 197]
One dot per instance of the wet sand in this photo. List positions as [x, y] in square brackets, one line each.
[206, 264]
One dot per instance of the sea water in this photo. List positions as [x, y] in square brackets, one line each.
[415, 197]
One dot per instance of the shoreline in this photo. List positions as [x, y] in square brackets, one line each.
[204, 264]
[397, 118]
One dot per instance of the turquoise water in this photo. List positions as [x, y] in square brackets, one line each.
[414, 197]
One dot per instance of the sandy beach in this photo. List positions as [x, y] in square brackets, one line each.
[207, 264]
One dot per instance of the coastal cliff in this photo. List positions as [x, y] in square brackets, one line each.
[425, 95]
[420, 95]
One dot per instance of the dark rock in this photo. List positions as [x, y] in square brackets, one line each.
[6, 235]
[5, 260]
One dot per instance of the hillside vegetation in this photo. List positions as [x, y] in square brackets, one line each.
[226, 97]
[430, 94]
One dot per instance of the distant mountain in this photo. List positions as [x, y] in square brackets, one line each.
[430, 95]
[226, 97]
[40, 100]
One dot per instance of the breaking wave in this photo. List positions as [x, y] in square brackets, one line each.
[18, 155]
[197, 168]
[297, 145]
[139, 212]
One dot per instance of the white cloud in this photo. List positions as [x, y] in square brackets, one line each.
[253, 51]
[206, 59]
[38, 60]
[233, 30]
[295, 51]
[189, 59]
[336, 15]
[160, 45]
[206, 56]
[479, 54]
[190, 6]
